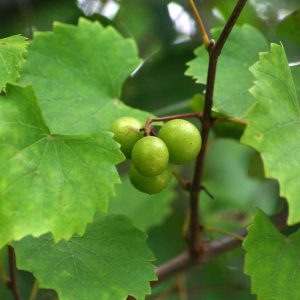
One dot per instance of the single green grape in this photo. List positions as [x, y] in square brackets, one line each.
[150, 156]
[149, 185]
[127, 131]
[183, 140]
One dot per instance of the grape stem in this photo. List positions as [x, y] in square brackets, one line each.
[148, 130]
[148, 127]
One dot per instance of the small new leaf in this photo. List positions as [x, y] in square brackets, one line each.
[272, 260]
[109, 262]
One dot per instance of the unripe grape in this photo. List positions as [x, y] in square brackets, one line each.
[150, 156]
[127, 132]
[183, 140]
[149, 185]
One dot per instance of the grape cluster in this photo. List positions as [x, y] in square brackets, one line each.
[178, 142]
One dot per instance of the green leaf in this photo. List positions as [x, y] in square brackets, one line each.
[144, 210]
[273, 128]
[272, 260]
[49, 182]
[77, 74]
[233, 76]
[110, 261]
[12, 50]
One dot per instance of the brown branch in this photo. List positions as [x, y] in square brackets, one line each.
[201, 253]
[207, 121]
[184, 261]
[217, 49]
[12, 284]
[212, 249]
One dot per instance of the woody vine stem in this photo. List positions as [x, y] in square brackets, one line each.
[198, 252]
[214, 50]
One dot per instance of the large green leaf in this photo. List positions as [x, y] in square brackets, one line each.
[12, 50]
[233, 76]
[144, 210]
[110, 261]
[272, 260]
[273, 127]
[77, 74]
[49, 182]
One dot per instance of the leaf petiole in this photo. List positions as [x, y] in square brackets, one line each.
[225, 232]
[200, 24]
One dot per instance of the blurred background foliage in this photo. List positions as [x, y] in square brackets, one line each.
[165, 33]
[167, 36]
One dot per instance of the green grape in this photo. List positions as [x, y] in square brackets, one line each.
[149, 185]
[127, 132]
[150, 156]
[183, 140]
